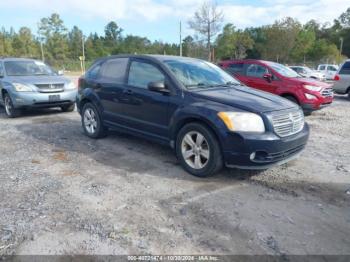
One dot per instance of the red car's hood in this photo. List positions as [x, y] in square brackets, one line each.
[308, 81]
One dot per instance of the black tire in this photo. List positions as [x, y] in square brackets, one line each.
[215, 161]
[100, 130]
[68, 108]
[10, 111]
[292, 99]
[349, 94]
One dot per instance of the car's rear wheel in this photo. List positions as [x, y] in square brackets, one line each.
[10, 110]
[92, 122]
[68, 108]
[198, 150]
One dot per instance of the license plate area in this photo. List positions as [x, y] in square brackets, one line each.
[54, 98]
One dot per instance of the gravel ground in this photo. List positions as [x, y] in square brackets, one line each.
[63, 193]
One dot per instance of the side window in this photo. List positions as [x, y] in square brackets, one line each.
[345, 70]
[114, 70]
[141, 74]
[235, 68]
[322, 67]
[1, 70]
[332, 68]
[93, 72]
[254, 70]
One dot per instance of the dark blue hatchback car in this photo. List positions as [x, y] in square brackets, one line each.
[207, 116]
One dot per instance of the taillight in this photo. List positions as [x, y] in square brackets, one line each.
[336, 78]
[80, 83]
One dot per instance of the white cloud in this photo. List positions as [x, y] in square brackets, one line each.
[242, 15]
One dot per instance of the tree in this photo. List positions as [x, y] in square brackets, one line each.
[280, 39]
[233, 43]
[75, 38]
[112, 36]
[207, 23]
[54, 33]
[304, 42]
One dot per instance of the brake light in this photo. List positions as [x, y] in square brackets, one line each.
[336, 78]
[80, 83]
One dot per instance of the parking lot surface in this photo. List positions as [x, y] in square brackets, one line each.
[63, 193]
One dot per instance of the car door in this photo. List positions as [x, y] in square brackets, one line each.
[109, 86]
[254, 77]
[146, 111]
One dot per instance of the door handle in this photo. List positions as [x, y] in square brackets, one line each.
[128, 92]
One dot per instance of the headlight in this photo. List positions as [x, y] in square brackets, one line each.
[310, 97]
[244, 122]
[22, 88]
[313, 88]
[70, 86]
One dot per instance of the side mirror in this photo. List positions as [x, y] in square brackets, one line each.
[267, 77]
[60, 72]
[158, 87]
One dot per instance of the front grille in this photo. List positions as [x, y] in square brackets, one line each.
[327, 92]
[288, 123]
[50, 88]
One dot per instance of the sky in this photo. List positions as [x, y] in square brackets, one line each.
[159, 19]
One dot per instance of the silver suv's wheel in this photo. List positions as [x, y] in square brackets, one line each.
[91, 121]
[198, 150]
[195, 150]
[10, 110]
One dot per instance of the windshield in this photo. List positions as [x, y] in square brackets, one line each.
[27, 68]
[283, 70]
[199, 74]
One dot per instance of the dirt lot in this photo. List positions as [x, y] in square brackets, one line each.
[63, 193]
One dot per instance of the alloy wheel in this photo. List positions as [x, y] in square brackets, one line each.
[195, 150]
[90, 121]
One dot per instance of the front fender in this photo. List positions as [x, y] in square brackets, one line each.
[205, 112]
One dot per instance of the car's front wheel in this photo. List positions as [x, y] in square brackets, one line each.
[10, 110]
[198, 150]
[68, 108]
[92, 122]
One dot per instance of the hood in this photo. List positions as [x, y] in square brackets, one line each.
[310, 81]
[38, 79]
[245, 98]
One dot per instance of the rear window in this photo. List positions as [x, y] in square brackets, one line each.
[114, 70]
[322, 67]
[345, 70]
[235, 68]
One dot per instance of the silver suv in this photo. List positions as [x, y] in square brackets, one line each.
[342, 79]
[28, 83]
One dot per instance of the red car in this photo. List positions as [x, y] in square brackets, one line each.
[278, 79]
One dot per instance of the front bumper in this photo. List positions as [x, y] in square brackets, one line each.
[41, 100]
[252, 151]
[316, 104]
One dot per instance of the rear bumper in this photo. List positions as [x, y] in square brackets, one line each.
[41, 100]
[251, 151]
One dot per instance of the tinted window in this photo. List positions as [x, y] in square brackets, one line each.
[322, 67]
[254, 70]
[235, 68]
[332, 68]
[1, 70]
[114, 70]
[141, 74]
[345, 70]
[93, 72]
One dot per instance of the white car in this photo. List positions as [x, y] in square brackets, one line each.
[329, 70]
[305, 71]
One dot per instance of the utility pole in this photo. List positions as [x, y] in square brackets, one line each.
[180, 38]
[83, 45]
